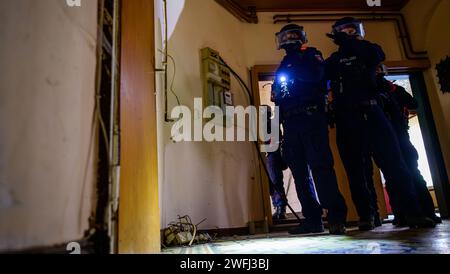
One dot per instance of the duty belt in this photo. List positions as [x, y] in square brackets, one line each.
[309, 110]
[359, 106]
[369, 103]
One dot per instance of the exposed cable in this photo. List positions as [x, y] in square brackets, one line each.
[166, 54]
[184, 225]
[173, 76]
[102, 123]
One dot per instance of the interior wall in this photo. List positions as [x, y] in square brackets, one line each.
[47, 140]
[438, 46]
[263, 35]
[216, 181]
[428, 21]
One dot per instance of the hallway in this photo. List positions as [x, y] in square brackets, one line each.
[384, 240]
[118, 117]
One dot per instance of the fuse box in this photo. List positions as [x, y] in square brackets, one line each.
[216, 80]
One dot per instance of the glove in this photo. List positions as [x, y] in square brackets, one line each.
[340, 38]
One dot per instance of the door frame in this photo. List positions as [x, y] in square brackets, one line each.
[432, 143]
[255, 73]
[139, 215]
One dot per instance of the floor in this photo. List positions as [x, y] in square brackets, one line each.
[383, 240]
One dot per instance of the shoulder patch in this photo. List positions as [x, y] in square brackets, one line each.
[316, 53]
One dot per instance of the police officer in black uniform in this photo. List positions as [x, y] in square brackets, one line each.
[362, 126]
[299, 91]
[397, 104]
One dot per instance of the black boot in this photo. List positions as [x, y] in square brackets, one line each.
[367, 225]
[337, 229]
[420, 222]
[435, 218]
[275, 215]
[378, 222]
[399, 221]
[280, 213]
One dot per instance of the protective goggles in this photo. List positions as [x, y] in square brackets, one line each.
[352, 29]
[288, 37]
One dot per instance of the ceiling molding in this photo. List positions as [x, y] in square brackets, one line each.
[246, 10]
[245, 15]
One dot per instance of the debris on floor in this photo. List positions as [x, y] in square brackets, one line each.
[184, 233]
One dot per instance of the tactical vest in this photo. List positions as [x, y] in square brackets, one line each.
[300, 78]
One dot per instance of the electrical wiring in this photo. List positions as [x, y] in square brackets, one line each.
[173, 76]
[102, 123]
[173, 79]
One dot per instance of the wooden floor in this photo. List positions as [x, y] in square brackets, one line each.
[384, 240]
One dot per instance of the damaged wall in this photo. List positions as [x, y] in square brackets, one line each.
[47, 140]
[216, 181]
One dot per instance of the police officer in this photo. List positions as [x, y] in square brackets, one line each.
[371, 187]
[275, 166]
[397, 104]
[362, 126]
[299, 91]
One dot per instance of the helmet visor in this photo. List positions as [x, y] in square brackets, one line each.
[352, 29]
[290, 37]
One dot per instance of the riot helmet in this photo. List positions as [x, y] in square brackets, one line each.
[349, 25]
[291, 34]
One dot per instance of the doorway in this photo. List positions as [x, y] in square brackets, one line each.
[423, 135]
[265, 87]
[262, 78]
[415, 131]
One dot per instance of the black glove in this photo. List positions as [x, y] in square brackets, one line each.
[339, 38]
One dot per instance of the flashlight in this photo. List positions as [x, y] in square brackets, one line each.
[284, 89]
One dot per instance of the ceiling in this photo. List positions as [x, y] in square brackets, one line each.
[308, 5]
[246, 9]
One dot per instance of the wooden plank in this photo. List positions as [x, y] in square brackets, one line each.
[139, 219]
[263, 178]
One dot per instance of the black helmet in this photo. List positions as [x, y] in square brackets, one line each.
[291, 34]
[342, 25]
